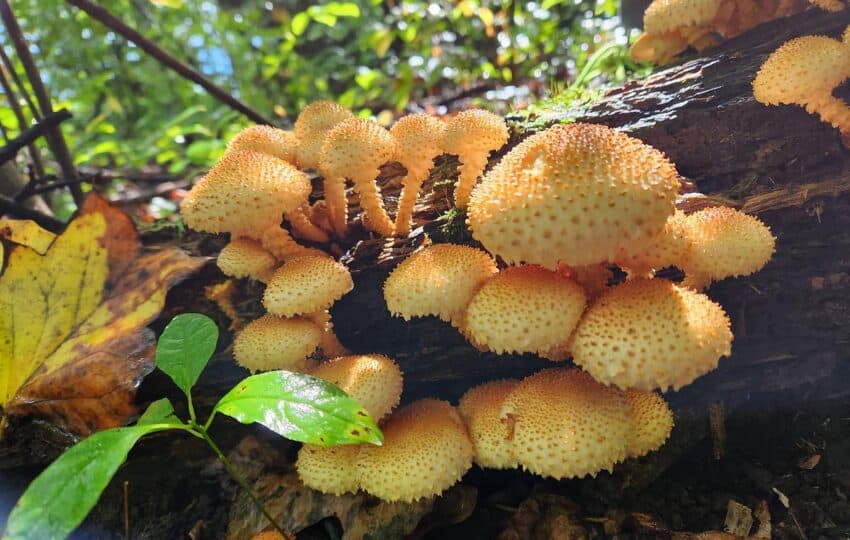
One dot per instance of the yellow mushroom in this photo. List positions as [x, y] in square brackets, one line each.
[481, 407]
[311, 127]
[266, 140]
[373, 380]
[653, 421]
[276, 343]
[306, 284]
[246, 258]
[331, 469]
[303, 227]
[669, 248]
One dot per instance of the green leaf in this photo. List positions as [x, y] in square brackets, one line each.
[185, 347]
[58, 500]
[300, 407]
[160, 411]
[342, 9]
[299, 23]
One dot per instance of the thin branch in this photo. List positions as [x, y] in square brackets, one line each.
[9, 206]
[54, 136]
[29, 135]
[184, 70]
[22, 122]
[10, 67]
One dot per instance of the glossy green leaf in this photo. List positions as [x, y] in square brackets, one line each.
[160, 411]
[58, 500]
[185, 347]
[300, 407]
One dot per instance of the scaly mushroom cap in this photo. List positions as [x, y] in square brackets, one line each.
[330, 469]
[311, 127]
[472, 135]
[480, 407]
[653, 421]
[725, 243]
[565, 424]
[524, 309]
[437, 280]
[426, 450]
[275, 343]
[664, 16]
[574, 193]
[306, 284]
[244, 257]
[373, 380]
[243, 192]
[668, 248]
[648, 334]
[265, 140]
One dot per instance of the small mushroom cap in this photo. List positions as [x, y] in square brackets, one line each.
[565, 424]
[419, 137]
[330, 469]
[276, 343]
[355, 146]
[726, 243]
[243, 192]
[437, 280]
[306, 284]
[265, 140]
[574, 193]
[311, 127]
[244, 257]
[663, 16]
[648, 334]
[525, 309]
[669, 248]
[481, 407]
[373, 380]
[653, 421]
[426, 450]
[474, 131]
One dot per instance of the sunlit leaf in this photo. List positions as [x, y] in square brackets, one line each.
[342, 9]
[300, 22]
[185, 347]
[159, 412]
[26, 233]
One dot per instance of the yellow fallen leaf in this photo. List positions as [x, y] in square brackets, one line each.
[73, 339]
[26, 233]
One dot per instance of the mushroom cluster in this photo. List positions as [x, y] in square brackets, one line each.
[671, 26]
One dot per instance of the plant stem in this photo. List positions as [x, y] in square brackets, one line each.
[193, 422]
[239, 480]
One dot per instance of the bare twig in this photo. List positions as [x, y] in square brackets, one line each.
[22, 122]
[7, 63]
[9, 206]
[29, 135]
[54, 136]
[184, 70]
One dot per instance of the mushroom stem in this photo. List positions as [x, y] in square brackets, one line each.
[470, 169]
[337, 203]
[280, 244]
[303, 227]
[411, 184]
[222, 295]
[329, 343]
[376, 217]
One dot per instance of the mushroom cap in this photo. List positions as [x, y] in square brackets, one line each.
[419, 137]
[266, 140]
[648, 334]
[565, 424]
[276, 343]
[243, 192]
[437, 280]
[244, 257]
[355, 146]
[669, 248]
[575, 193]
[306, 284]
[426, 450]
[311, 127]
[525, 309]
[593, 278]
[481, 407]
[474, 131]
[726, 243]
[653, 421]
[663, 16]
[802, 70]
[373, 380]
[330, 469]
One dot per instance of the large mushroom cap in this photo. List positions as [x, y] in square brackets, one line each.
[311, 127]
[574, 193]
[653, 421]
[419, 138]
[649, 334]
[306, 284]
[356, 145]
[373, 380]
[725, 242]
[275, 343]
[565, 424]
[437, 280]
[426, 450]
[669, 248]
[664, 16]
[524, 309]
[481, 407]
[244, 257]
[243, 192]
[265, 140]
[330, 469]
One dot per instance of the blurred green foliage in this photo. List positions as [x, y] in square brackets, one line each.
[378, 58]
